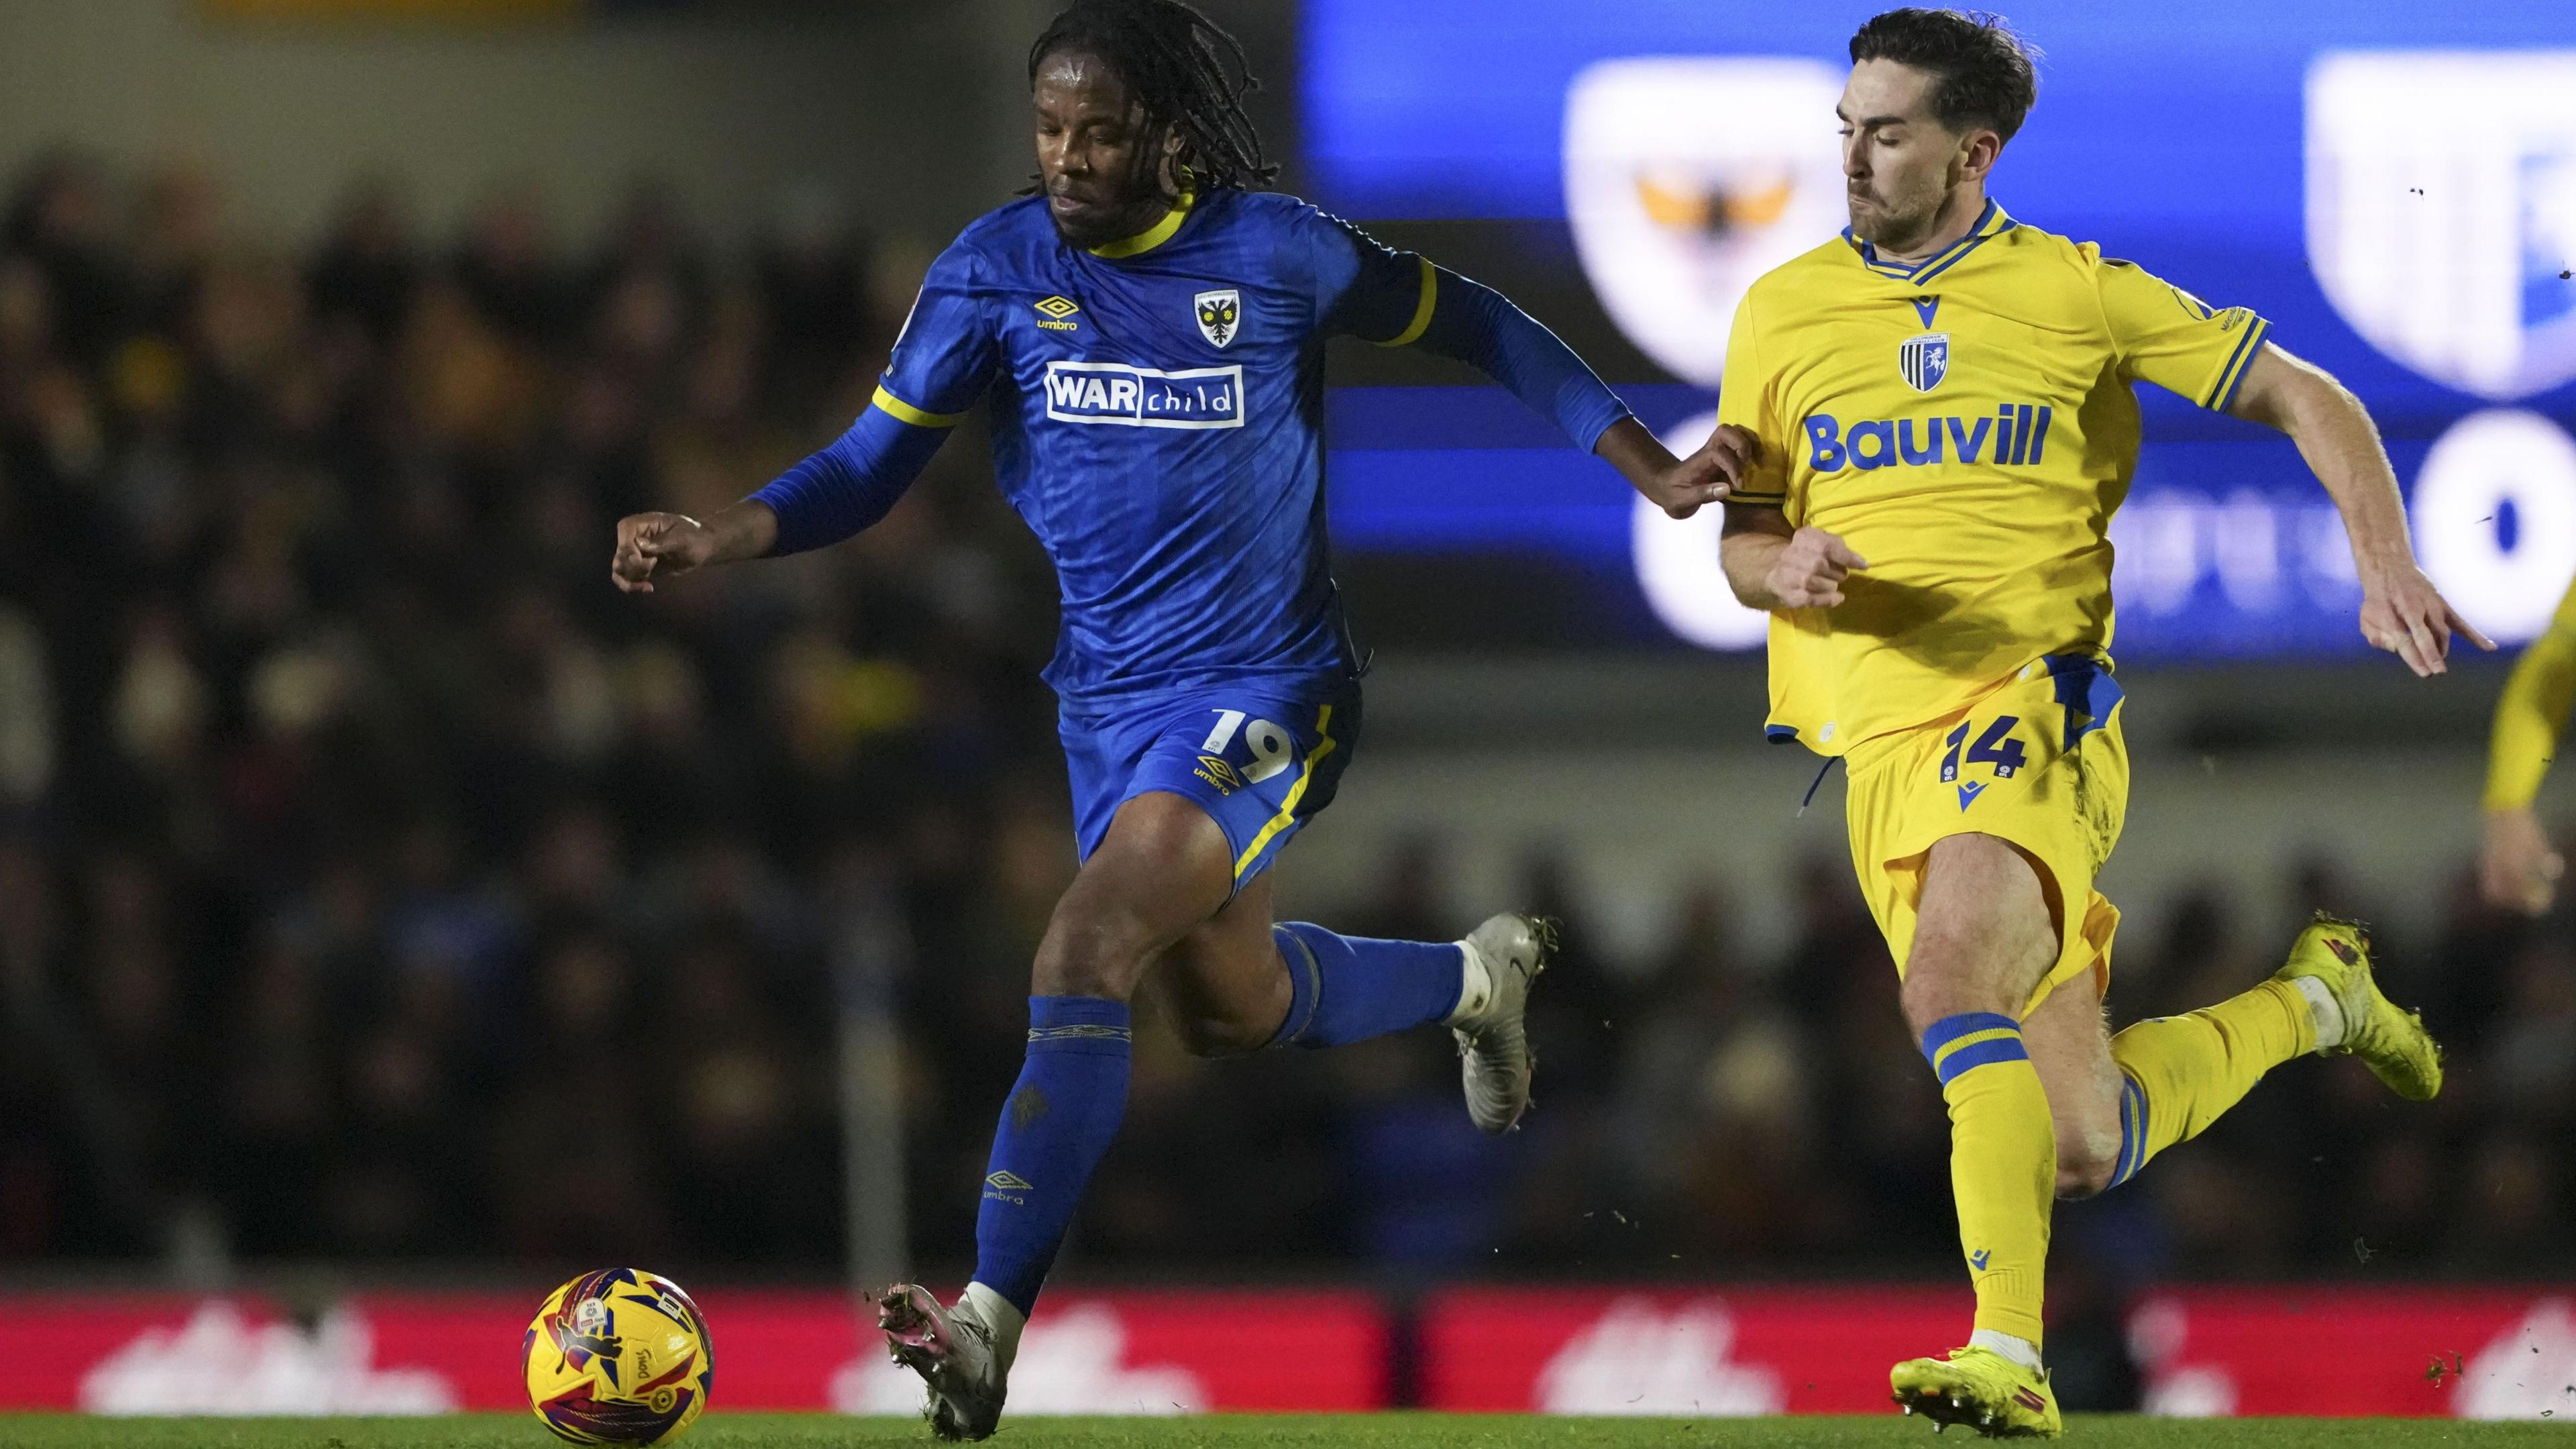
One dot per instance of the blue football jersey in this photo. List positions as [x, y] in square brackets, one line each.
[1157, 416]
[1157, 419]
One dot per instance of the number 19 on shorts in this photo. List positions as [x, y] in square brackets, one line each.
[1272, 750]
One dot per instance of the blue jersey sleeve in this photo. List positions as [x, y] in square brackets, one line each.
[1395, 299]
[942, 363]
[1364, 288]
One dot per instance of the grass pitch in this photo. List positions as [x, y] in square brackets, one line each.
[1226, 1431]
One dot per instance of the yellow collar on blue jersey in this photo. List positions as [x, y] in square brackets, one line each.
[1991, 223]
[1153, 236]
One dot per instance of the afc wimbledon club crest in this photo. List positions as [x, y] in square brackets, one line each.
[1688, 177]
[2442, 210]
[1924, 358]
[1219, 314]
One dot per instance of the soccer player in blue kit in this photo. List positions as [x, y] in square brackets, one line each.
[1149, 333]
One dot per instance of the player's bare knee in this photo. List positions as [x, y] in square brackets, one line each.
[1091, 948]
[1202, 1035]
[1944, 978]
[1079, 973]
[2086, 1158]
[1939, 984]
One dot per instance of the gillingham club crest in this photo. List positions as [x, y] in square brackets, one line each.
[1924, 358]
[1220, 315]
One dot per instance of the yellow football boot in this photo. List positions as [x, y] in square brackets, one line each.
[2391, 1042]
[1980, 1388]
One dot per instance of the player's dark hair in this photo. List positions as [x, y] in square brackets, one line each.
[1983, 73]
[1187, 73]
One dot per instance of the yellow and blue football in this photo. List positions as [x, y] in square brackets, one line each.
[620, 1356]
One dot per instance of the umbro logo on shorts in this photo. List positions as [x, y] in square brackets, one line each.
[1219, 772]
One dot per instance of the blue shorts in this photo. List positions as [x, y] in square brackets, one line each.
[1261, 764]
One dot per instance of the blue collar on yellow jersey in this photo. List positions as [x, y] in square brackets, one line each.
[1990, 223]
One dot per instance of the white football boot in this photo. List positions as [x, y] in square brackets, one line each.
[1493, 1044]
[957, 1351]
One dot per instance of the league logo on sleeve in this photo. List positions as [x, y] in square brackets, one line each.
[1220, 313]
[2442, 210]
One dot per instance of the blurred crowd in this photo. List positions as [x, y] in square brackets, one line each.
[377, 883]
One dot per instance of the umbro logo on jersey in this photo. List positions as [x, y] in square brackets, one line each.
[1058, 312]
[1008, 1181]
[1220, 315]
[2016, 436]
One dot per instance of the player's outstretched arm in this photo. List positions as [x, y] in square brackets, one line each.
[1679, 486]
[2401, 611]
[1477, 325]
[2519, 868]
[826, 498]
[666, 545]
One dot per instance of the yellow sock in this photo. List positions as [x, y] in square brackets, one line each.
[2003, 1164]
[2183, 1071]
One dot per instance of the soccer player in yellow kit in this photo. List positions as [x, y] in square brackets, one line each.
[2520, 870]
[1925, 426]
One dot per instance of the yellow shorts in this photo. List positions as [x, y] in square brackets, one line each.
[2039, 763]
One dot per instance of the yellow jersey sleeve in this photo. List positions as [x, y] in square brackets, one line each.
[2532, 712]
[1747, 398]
[2171, 338]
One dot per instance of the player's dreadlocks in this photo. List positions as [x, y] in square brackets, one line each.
[1185, 70]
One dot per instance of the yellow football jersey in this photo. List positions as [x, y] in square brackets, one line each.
[2531, 712]
[1966, 425]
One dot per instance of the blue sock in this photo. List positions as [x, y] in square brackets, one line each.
[1344, 989]
[1059, 1119]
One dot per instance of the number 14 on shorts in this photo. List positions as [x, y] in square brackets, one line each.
[1994, 747]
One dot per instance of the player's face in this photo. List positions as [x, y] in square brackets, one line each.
[1899, 163]
[1093, 146]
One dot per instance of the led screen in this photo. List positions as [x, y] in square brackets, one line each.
[2393, 185]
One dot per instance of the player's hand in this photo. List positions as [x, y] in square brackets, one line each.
[1683, 489]
[1677, 486]
[1708, 475]
[2404, 614]
[658, 545]
[1732, 451]
[2519, 871]
[1810, 569]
